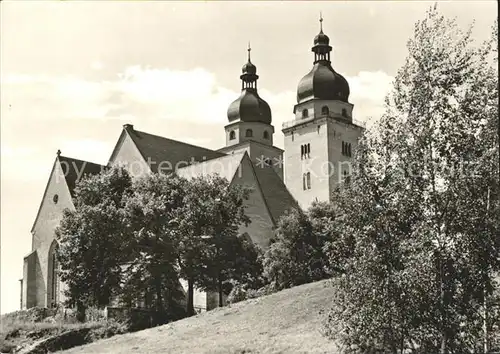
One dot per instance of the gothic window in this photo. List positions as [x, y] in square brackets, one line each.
[266, 134]
[232, 135]
[53, 278]
[249, 133]
[325, 111]
[305, 113]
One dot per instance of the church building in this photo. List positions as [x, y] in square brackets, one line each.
[319, 143]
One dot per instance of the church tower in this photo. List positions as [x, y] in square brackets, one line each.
[250, 127]
[321, 140]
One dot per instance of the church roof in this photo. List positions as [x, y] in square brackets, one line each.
[158, 149]
[276, 195]
[225, 166]
[74, 168]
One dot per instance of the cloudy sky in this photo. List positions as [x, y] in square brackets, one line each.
[72, 73]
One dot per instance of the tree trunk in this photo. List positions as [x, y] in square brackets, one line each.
[442, 306]
[190, 297]
[158, 302]
[219, 288]
[486, 344]
[80, 312]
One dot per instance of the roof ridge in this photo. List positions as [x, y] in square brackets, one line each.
[176, 141]
[85, 161]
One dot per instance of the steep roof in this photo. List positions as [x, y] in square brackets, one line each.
[158, 149]
[225, 166]
[276, 195]
[74, 169]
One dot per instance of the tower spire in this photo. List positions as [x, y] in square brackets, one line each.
[249, 76]
[320, 22]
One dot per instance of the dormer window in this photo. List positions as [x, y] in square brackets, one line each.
[232, 135]
[305, 113]
[266, 134]
[249, 133]
[344, 112]
[325, 110]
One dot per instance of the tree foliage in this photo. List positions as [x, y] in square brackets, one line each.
[91, 239]
[297, 254]
[423, 205]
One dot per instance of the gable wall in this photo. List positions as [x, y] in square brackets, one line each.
[129, 156]
[48, 220]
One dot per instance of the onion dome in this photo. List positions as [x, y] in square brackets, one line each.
[322, 82]
[249, 107]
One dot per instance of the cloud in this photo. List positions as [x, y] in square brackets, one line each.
[368, 91]
[192, 96]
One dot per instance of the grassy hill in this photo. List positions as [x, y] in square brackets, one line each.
[286, 322]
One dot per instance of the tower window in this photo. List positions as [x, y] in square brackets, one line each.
[305, 113]
[305, 150]
[266, 134]
[249, 133]
[325, 110]
[306, 181]
[232, 135]
[346, 149]
[347, 178]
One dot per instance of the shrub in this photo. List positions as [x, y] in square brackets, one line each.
[239, 293]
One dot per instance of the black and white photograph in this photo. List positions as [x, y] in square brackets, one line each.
[246, 177]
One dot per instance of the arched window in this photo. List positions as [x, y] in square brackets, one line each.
[53, 276]
[308, 176]
[249, 133]
[302, 152]
[305, 113]
[349, 149]
[266, 134]
[325, 111]
[232, 135]
[304, 186]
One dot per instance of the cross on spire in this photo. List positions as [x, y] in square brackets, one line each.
[249, 50]
[321, 21]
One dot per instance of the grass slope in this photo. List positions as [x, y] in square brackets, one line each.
[289, 321]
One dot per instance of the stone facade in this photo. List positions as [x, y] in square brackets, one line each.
[56, 198]
[314, 159]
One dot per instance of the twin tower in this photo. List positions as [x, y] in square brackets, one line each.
[319, 142]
